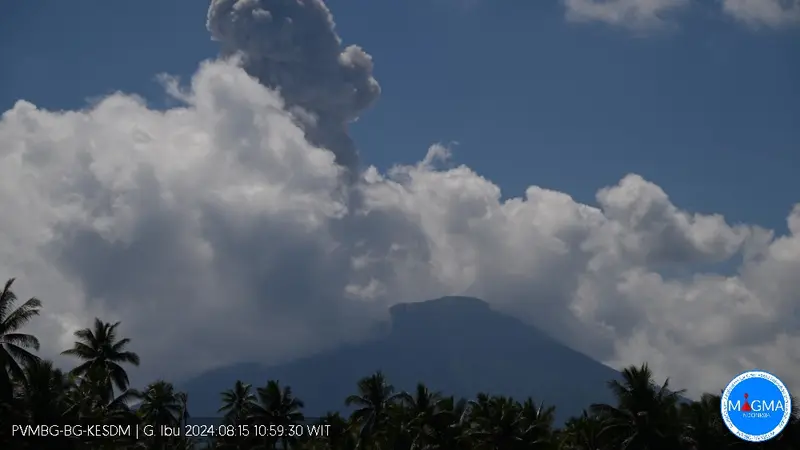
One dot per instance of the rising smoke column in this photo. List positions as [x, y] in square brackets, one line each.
[292, 46]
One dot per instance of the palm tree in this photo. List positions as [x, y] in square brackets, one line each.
[237, 402]
[14, 354]
[100, 348]
[704, 425]
[338, 434]
[447, 429]
[91, 400]
[537, 423]
[43, 393]
[279, 407]
[237, 406]
[374, 400]
[420, 409]
[42, 400]
[497, 424]
[646, 416]
[161, 405]
[583, 433]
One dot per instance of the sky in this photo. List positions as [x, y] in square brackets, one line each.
[619, 173]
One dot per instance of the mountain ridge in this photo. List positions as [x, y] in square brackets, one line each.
[457, 345]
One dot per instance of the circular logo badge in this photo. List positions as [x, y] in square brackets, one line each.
[756, 406]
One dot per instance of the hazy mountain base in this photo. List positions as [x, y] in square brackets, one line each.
[456, 344]
[95, 395]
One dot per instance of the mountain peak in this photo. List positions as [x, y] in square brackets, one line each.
[445, 313]
[449, 303]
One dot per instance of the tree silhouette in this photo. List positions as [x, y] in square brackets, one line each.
[645, 416]
[102, 353]
[276, 406]
[14, 345]
[161, 404]
[238, 402]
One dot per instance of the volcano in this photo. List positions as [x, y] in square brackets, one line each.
[456, 345]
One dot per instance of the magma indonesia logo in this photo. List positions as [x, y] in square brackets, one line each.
[756, 406]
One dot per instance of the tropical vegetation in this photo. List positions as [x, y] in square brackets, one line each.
[97, 392]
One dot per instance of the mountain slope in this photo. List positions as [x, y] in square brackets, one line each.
[454, 344]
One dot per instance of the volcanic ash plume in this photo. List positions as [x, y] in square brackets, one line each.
[291, 45]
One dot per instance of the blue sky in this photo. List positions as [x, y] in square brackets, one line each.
[709, 110]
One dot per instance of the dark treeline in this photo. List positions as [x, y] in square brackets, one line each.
[646, 416]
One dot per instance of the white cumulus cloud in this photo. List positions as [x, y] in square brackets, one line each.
[217, 234]
[764, 13]
[638, 15]
[646, 16]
